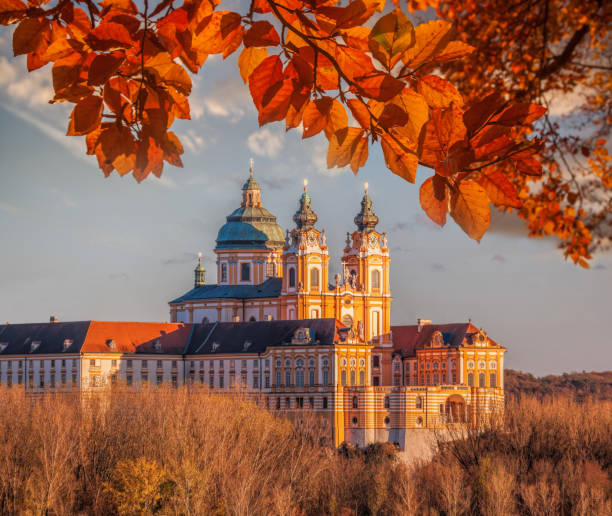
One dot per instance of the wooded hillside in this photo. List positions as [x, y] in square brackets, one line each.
[580, 385]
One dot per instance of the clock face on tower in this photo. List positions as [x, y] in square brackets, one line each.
[373, 241]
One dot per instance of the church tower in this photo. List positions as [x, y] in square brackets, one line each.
[249, 244]
[305, 265]
[365, 265]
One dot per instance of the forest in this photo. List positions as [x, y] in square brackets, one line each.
[188, 451]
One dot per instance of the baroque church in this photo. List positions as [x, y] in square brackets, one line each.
[277, 327]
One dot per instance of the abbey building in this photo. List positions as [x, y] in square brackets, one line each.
[276, 324]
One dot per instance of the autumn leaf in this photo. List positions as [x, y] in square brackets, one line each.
[250, 58]
[470, 209]
[342, 146]
[438, 93]
[454, 50]
[86, 115]
[103, 67]
[391, 35]
[261, 34]
[519, 114]
[360, 112]
[439, 134]
[109, 36]
[266, 74]
[416, 107]
[430, 38]
[28, 35]
[499, 189]
[275, 102]
[435, 208]
[323, 114]
[11, 11]
[398, 159]
[378, 86]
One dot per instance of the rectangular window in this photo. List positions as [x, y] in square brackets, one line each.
[375, 361]
[53, 381]
[325, 402]
[243, 379]
[129, 363]
[159, 379]
[211, 381]
[267, 362]
[269, 270]
[278, 403]
[288, 402]
[244, 363]
[223, 272]
[174, 381]
[245, 272]
[376, 380]
[278, 378]
[299, 378]
[287, 378]
[114, 363]
[255, 382]
[299, 402]
[325, 377]
[129, 379]
[454, 377]
[267, 381]
[311, 378]
[221, 382]
[143, 363]
[74, 378]
[92, 362]
[159, 364]
[174, 364]
[311, 402]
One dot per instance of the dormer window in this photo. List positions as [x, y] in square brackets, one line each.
[67, 344]
[157, 346]
[112, 345]
[3, 346]
[215, 347]
[34, 345]
[246, 345]
[245, 272]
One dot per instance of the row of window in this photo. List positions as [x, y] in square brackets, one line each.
[387, 402]
[39, 363]
[39, 381]
[299, 378]
[352, 377]
[298, 402]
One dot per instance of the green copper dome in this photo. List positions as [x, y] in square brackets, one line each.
[251, 226]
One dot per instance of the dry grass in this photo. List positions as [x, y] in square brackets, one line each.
[186, 452]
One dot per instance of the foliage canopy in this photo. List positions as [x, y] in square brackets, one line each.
[457, 95]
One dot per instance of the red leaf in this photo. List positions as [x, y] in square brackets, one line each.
[269, 72]
[518, 114]
[109, 36]
[261, 34]
[103, 67]
[86, 115]
[431, 203]
[378, 86]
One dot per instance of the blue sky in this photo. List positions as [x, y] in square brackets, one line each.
[79, 246]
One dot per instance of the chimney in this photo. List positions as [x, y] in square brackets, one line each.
[53, 319]
[421, 323]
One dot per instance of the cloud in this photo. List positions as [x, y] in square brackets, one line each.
[266, 143]
[507, 224]
[498, 258]
[565, 103]
[228, 98]
[164, 181]
[193, 141]
[8, 72]
[599, 267]
[64, 198]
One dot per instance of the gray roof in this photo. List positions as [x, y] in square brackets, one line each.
[250, 227]
[269, 288]
[220, 338]
[49, 336]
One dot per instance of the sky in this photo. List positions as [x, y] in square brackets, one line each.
[79, 246]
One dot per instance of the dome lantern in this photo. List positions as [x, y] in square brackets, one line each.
[366, 219]
[305, 218]
[199, 273]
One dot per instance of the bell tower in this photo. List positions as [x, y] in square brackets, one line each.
[365, 265]
[305, 265]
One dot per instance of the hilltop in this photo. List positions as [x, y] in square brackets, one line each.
[581, 385]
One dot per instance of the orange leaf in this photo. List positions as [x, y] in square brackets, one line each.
[360, 155]
[103, 67]
[250, 58]
[261, 34]
[518, 114]
[454, 50]
[480, 112]
[416, 107]
[470, 209]
[398, 159]
[435, 208]
[342, 146]
[360, 112]
[439, 93]
[109, 36]
[378, 86]
[269, 72]
[86, 115]
[390, 37]
[275, 102]
[28, 35]
[499, 189]
[357, 37]
[11, 11]
[323, 114]
[430, 38]
[391, 116]
[353, 62]
[439, 134]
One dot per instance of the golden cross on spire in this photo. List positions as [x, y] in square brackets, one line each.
[251, 162]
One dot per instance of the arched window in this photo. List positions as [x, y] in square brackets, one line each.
[352, 377]
[205, 320]
[343, 378]
[362, 377]
[314, 277]
[471, 379]
[387, 404]
[355, 403]
[419, 402]
[252, 318]
[245, 272]
[436, 379]
[492, 380]
[292, 277]
[481, 380]
[375, 279]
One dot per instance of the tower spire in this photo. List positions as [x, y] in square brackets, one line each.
[251, 192]
[366, 219]
[200, 273]
[305, 218]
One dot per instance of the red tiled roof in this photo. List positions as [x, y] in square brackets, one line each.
[136, 337]
[408, 339]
